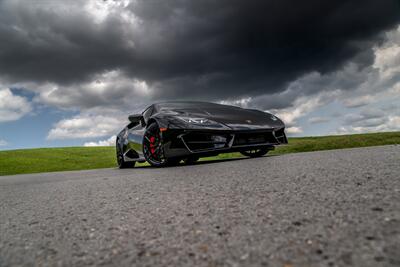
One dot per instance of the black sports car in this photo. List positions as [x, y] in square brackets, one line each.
[166, 133]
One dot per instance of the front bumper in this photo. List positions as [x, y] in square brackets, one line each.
[180, 143]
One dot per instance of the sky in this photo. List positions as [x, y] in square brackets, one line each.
[72, 71]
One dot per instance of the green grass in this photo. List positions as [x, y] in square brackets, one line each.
[82, 158]
[55, 159]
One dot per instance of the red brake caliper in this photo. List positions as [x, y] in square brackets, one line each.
[152, 145]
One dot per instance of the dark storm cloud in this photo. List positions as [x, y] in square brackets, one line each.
[256, 47]
[193, 49]
[48, 41]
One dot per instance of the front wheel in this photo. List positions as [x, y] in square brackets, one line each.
[254, 153]
[153, 149]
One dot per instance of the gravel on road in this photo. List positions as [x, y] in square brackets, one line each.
[330, 208]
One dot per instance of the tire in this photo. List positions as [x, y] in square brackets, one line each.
[254, 153]
[191, 160]
[122, 164]
[153, 149]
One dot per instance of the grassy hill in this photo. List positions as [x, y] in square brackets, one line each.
[82, 158]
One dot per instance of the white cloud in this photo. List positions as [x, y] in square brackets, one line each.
[294, 130]
[243, 102]
[358, 101]
[108, 142]
[302, 106]
[87, 126]
[364, 115]
[380, 82]
[381, 88]
[316, 120]
[107, 89]
[370, 121]
[387, 56]
[100, 10]
[392, 124]
[3, 142]
[12, 107]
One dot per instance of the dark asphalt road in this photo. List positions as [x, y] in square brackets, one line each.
[332, 208]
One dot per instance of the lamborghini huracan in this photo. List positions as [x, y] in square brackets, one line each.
[170, 132]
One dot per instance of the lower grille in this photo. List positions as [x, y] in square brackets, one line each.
[243, 139]
[206, 141]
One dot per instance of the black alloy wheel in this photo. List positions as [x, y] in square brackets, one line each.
[122, 164]
[153, 149]
[254, 153]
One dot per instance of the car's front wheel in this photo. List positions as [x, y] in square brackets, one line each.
[153, 149]
[254, 153]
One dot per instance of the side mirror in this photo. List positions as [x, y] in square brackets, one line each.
[135, 118]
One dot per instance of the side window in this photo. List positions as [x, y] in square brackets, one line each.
[147, 113]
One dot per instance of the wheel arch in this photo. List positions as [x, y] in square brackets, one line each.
[151, 121]
[117, 140]
[161, 122]
[119, 146]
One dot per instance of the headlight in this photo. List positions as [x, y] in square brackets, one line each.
[198, 121]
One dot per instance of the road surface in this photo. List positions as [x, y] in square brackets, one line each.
[330, 208]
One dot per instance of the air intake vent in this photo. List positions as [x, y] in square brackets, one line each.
[280, 135]
[243, 139]
[206, 141]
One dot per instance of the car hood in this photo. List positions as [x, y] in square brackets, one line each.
[234, 117]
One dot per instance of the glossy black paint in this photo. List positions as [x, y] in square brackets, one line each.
[201, 129]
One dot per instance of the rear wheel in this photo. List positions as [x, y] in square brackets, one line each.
[254, 153]
[122, 164]
[153, 149]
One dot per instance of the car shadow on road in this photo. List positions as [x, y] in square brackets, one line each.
[204, 162]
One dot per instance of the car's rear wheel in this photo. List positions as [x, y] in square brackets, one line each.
[153, 149]
[122, 164]
[254, 153]
[191, 160]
